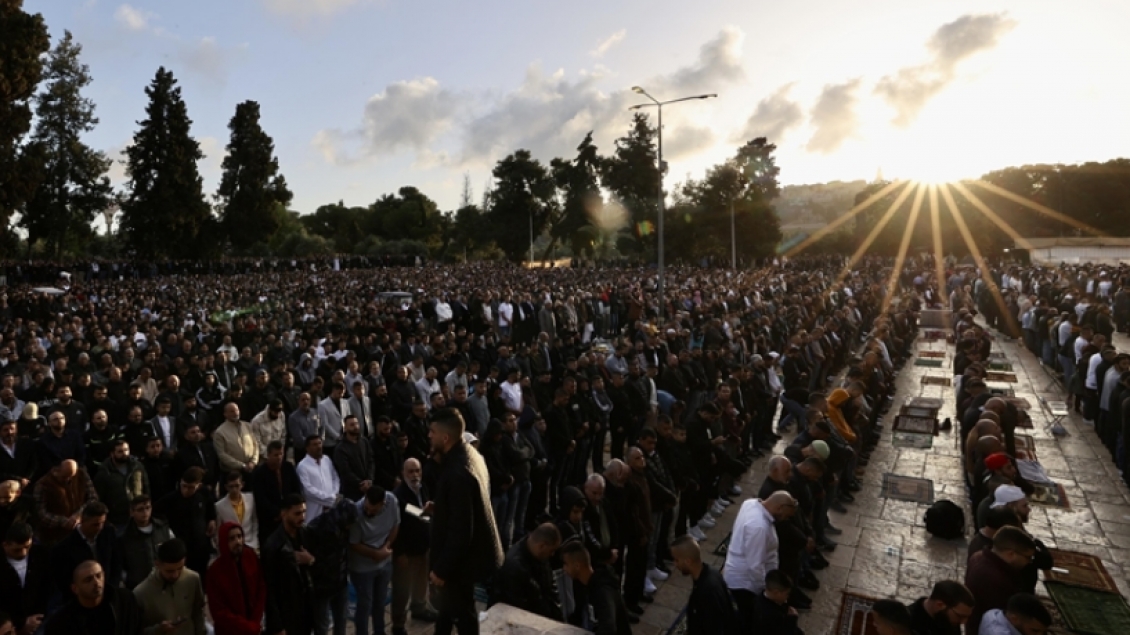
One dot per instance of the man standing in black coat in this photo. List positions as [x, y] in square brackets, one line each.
[24, 595]
[98, 606]
[465, 546]
[710, 609]
[190, 511]
[286, 568]
[410, 551]
[90, 540]
[273, 480]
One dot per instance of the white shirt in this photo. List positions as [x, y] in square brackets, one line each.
[753, 548]
[443, 312]
[21, 569]
[166, 431]
[1092, 367]
[505, 314]
[1064, 332]
[512, 395]
[321, 484]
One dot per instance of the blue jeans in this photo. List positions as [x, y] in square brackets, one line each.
[791, 410]
[372, 589]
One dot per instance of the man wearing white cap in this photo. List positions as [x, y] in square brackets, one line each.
[1013, 498]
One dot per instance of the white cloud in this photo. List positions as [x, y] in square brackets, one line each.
[406, 115]
[133, 19]
[687, 140]
[209, 59]
[610, 42]
[548, 113]
[775, 116]
[309, 8]
[909, 89]
[834, 117]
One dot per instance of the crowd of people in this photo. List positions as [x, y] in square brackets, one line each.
[259, 440]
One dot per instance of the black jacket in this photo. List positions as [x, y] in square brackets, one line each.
[354, 463]
[387, 461]
[594, 515]
[527, 583]
[289, 588]
[74, 550]
[139, 550]
[710, 611]
[923, 624]
[465, 546]
[415, 533]
[70, 620]
[188, 518]
[269, 495]
[774, 619]
[24, 464]
[203, 456]
[30, 598]
[603, 592]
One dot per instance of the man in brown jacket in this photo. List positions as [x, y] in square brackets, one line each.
[59, 498]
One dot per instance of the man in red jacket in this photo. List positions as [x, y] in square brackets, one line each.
[237, 593]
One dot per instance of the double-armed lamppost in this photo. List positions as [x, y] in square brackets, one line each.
[662, 171]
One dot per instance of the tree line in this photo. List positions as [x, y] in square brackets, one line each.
[53, 186]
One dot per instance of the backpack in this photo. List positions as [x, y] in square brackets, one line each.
[946, 520]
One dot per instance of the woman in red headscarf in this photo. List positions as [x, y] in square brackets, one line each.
[237, 593]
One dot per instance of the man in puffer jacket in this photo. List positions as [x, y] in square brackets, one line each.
[1024, 615]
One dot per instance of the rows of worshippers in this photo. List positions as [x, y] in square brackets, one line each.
[1068, 317]
[140, 473]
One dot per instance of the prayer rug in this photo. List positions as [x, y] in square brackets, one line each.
[1000, 365]
[1052, 495]
[1057, 627]
[723, 546]
[1025, 447]
[933, 336]
[908, 488]
[914, 441]
[1005, 377]
[932, 354]
[914, 411]
[932, 403]
[855, 615]
[1020, 402]
[934, 380]
[679, 626]
[1090, 612]
[929, 363]
[916, 425]
[1083, 570]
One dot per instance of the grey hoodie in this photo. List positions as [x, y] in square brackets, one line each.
[995, 623]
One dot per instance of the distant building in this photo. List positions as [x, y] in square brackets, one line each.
[1075, 250]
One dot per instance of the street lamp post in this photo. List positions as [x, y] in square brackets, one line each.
[662, 171]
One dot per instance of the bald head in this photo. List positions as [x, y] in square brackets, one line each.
[988, 445]
[780, 505]
[66, 470]
[779, 469]
[997, 405]
[685, 548]
[986, 428]
[989, 415]
[616, 472]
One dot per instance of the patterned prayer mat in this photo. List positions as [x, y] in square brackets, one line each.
[1057, 627]
[932, 403]
[724, 546]
[1005, 377]
[914, 441]
[1052, 495]
[915, 411]
[1089, 611]
[908, 488]
[932, 354]
[1083, 570]
[934, 380]
[928, 362]
[916, 425]
[855, 615]
[935, 335]
[1025, 447]
[1000, 365]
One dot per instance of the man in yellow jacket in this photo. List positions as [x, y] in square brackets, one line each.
[236, 446]
[840, 410]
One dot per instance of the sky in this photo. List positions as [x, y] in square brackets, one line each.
[363, 97]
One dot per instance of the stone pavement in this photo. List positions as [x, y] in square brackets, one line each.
[884, 550]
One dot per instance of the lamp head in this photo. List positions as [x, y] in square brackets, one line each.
[637, 89]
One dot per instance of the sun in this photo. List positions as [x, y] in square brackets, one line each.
[930, 168]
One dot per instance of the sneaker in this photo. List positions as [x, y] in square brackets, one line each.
[707, 522]
[717, 509]
[835, 531]
[696, 533]
[736, 490]
[657, 575]
[725, 502]
[649, 587]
